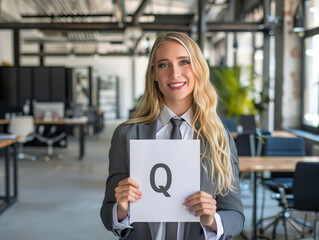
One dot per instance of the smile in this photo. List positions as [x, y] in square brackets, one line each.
[176, 85]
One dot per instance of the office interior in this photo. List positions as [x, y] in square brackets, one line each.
[86, 61]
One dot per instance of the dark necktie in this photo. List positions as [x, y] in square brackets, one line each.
[176, 132]
[171, 227]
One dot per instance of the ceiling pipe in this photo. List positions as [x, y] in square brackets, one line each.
[139, 11]
[113, 27]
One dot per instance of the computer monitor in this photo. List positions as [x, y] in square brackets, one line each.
[48, 111]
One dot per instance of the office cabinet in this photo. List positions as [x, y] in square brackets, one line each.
[41, 84]
[25, 85]
[58, 84]
[8, 89]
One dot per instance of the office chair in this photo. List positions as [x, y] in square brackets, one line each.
[230, 124]
[305, 197]
[246, 143]
[50, 138]
[279, 146]
[248, 123]
[23, 126]
[95, 122]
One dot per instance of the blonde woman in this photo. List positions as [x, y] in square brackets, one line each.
[178, 87]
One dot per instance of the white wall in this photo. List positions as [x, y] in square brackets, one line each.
[140, 71]
[6, 46]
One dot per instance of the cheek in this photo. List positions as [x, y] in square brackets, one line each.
[192, 78]
[159, 76]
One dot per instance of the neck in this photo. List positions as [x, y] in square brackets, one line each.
[178, 108]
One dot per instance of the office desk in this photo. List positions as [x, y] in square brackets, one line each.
[278, 133]
[80, 122]
[7, 199]
[273, 164]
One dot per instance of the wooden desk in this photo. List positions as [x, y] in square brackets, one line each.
[274, 164]
[80, 122]
[283, 134]
[273, 134]
[7, 199]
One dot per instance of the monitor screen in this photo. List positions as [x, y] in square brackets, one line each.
[48, 110]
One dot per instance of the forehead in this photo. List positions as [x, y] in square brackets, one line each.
[170, 49]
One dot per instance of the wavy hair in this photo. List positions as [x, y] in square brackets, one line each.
[206, 125]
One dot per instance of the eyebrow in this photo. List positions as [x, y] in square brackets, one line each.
[165, 59]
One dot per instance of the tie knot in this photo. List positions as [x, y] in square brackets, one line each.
[177, 122]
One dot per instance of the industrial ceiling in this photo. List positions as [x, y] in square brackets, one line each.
[111, 26]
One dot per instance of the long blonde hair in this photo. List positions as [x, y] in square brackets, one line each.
[207, 124]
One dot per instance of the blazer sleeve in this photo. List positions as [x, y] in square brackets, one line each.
[230, 207]
[118, 170]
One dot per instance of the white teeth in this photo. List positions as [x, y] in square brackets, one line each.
[176, 85]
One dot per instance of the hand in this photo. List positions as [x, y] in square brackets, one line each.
[204, 206]
[126, 191]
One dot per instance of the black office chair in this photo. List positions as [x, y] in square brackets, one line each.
[279, 146]
[246, 144]
[50, 137]
[248, 123]
[305, 197]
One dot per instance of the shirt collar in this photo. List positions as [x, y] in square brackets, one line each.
[166, 114]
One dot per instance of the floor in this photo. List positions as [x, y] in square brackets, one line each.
[61, 199]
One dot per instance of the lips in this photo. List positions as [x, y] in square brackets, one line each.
[176, 85]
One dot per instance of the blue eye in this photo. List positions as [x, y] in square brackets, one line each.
[163, 65]
[185, 62]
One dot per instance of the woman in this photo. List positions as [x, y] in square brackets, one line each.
[178, 86]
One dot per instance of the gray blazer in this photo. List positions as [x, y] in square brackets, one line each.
[229, 207]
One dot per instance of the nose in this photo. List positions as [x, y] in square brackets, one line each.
[175, 71]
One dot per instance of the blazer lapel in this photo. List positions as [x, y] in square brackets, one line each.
[147, 131]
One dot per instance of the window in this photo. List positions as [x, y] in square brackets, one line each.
[310, 119]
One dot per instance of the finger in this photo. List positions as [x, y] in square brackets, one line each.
[125, 198]
[203, 206]
[120, 194]
[129, 181]
[199, 194]
[199, 200]
[128, 188]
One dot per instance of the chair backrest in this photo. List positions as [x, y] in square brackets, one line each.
[22, 126]
[248, 123]
[283, 146]
[243, 146]
[230, 124]
[305, 186]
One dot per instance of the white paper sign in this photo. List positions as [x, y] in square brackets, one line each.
[168, 171]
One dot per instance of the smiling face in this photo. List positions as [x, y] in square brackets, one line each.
[175, 76]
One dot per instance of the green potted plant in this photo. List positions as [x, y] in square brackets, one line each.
[236, 98]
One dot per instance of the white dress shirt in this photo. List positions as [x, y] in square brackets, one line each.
[164, 129]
